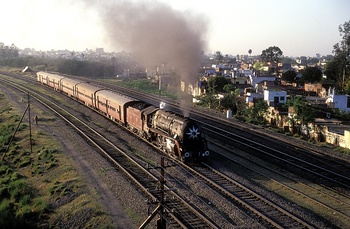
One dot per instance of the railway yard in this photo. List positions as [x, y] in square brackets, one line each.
[255, 178]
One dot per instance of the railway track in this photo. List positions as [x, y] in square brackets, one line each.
[320, 173]
[264, 210]
[330, 204]
[176, 211]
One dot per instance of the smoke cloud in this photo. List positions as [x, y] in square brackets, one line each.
[155, 33]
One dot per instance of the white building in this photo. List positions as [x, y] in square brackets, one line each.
[250, 96]
[275, 98]
[341, 102]
[254, 80]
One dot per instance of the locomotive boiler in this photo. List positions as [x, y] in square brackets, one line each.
[182, 136]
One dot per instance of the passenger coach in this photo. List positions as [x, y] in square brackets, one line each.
[113, 105]
[86, 93]
[52, 80]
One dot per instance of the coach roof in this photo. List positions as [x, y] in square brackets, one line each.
[69, 81]
[88, 87]
[113, 96]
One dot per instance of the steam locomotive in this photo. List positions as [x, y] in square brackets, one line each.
[178, 136]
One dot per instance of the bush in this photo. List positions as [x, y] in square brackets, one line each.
[18, 188]
[40, 206]
[25, 162]
[5, 210]
[5, 139]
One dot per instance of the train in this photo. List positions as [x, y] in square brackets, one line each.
[178, 136]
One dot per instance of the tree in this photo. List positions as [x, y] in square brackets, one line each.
[303, 112]
[228, 88]
[250, 52]
[8, 52]
[289, 76]
[347, 87]
[273, 55]
[257, 113]
[258, 66]
[331, 70]
[210, 99]
[313, 61]
[218, 57]
[218, 83]
[342, 56]
[230, 100]
[311, 75]
[287, 60]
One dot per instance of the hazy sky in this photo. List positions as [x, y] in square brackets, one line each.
[297, 27]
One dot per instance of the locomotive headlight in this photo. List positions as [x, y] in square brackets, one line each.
[206, 153]
[187, 154]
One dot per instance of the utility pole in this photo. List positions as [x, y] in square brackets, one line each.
[160, 72]
[160, 83]
[161, 222]
[30, 126]
[30, 131]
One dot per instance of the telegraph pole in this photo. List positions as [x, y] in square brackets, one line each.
[30, 131]
[160, 84]
[30, 126]
[161, 222]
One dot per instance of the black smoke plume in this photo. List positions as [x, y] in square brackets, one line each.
[155, 33]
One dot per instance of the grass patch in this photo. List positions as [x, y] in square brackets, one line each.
[40, 186]
[146, 85]
[343, 150]
[60, 189]
[140, 155]
[132, 215]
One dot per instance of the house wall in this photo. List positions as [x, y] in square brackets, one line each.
[321, 133]
[275, 118]
[239, 80]
[250, 96]
[347, 139]
[313, 87]
[336, 139]
[257, 79]
[338, 101]
[269, 97]
[341, 102]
